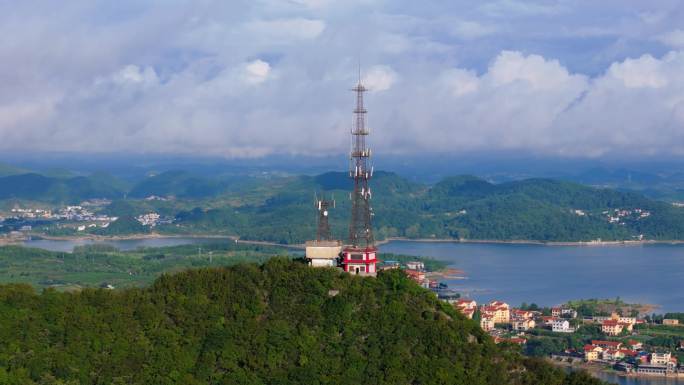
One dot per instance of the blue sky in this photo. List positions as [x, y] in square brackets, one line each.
[252, 78]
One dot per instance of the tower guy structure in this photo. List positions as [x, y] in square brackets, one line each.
[359, 257]
[324, 251]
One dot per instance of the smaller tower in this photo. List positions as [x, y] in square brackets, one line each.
[324, 251]
[323, 233]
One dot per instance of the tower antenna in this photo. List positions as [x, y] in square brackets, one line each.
[360, 256]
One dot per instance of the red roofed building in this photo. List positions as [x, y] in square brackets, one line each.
[497, 310]
[521, 315]
[415, 275]
[607, 344]
[628, 353]
[591, 352]
[466, 306]
[612, 327]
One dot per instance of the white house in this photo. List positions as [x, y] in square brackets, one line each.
[561, 326]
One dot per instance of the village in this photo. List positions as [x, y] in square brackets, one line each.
[616, 343]
[18, 222]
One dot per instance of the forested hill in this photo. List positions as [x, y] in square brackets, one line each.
[463, 207]
[280, 209]
[280, 323]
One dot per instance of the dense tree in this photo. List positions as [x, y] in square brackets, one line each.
[278, 323]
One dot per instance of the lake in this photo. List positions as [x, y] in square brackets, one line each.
[552, 275]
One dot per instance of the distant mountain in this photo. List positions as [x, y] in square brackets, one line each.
[49, 189]
[179, 184]
[463, 207]
[6, 170]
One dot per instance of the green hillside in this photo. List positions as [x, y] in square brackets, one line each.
[280, 209]
[177, 183]
[280, 323]
[6, 170]
[39, 187]
[461, 207]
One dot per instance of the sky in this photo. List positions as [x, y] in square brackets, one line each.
[244, 79]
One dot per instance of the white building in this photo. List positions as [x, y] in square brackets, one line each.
[323, 253]
[561, 326]
[415, 265]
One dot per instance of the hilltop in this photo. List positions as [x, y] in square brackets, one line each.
[280, 322]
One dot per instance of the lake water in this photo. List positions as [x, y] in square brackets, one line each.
[620, 380]
[551, 275]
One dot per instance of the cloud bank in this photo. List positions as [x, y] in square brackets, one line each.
[247, 79]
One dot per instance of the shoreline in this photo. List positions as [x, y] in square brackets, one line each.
[94, 237]
[595, 370]
[533, 242]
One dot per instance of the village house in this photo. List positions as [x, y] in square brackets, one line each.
[671, 322]
[523, 325]
[415, 265]
[498, 311]
[415, 275]
[615, 327]
[556, 311]
[487, 323]
[466, 306]
[613, 355]
[520, 315]
[607, 344]
[661, 358]
[627, 320]
[561, 326]
[635, 345]
[548, 320]
[592, 353]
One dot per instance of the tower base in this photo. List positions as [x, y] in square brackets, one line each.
[360, 261]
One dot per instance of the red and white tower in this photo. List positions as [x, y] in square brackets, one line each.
[359, 257]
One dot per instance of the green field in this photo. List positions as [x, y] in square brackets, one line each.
[94, 266]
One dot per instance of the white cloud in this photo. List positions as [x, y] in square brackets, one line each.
[379, 78]
[461, 81]
[257, 77]
[286, 29]
[673, 38]
[642, 72]
[468, 29]
[257, 71]
[132, 74]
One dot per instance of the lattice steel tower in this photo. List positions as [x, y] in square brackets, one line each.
[360, 231]
[359, 257]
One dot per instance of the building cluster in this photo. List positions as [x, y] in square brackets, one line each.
[27, 217]
[153, 219]
[632, 358]
[620, 215]
[615, 324]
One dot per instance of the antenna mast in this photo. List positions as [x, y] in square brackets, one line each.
[323, 233]
[360, 232]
